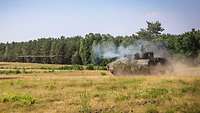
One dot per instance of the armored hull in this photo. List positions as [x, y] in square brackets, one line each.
[147, 64]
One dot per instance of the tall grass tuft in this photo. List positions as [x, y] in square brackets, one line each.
[21, 99]
[85, 103]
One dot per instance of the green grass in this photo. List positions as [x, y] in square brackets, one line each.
[151, 93]
[71, 67]
[18, 99]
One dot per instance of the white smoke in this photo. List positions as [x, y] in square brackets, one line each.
[107, 49]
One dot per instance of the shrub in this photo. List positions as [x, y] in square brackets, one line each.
[17, 71]
[10, 72]
[100, 68]
[52, 70]
[65, 68]
[72, 67]
[103, 73]
[77, 67]
[90, 67]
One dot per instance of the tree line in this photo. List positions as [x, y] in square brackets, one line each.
[78, 49]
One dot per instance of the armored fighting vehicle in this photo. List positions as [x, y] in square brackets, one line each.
[144, 63]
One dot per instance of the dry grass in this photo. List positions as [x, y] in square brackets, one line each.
[14, 65]
[94, 92]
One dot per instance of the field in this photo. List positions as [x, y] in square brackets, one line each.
[44, 88]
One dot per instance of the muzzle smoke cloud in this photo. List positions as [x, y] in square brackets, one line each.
[108, 49]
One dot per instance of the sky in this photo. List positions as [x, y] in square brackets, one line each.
[23, 20]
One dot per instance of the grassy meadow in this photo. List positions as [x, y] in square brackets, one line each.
[47, 88]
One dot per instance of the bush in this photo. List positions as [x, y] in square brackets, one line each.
[90, 67]
[17, 71]
[103, 73]
[10, 72]
[100, 68]
[77, 67]
[65, 68]
[72, 67]
[51, 70]
[81, 67]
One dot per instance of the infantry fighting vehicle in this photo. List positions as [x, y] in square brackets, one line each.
[144, 63]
